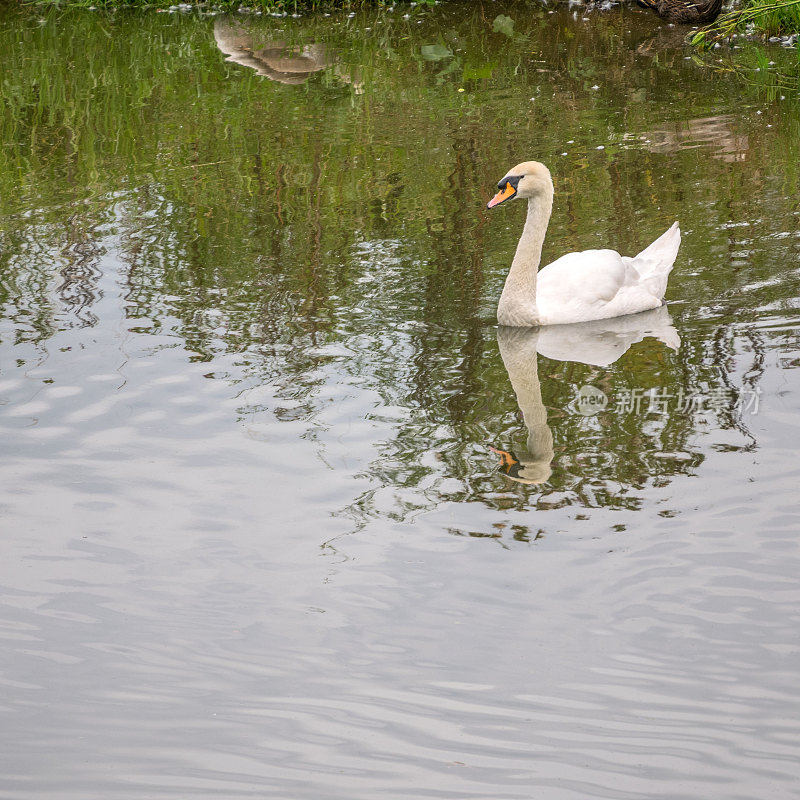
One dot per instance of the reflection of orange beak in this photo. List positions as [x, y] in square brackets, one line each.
[501, 197]
[507, 459]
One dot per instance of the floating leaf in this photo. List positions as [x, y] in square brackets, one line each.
[503, 24]
[435, 52]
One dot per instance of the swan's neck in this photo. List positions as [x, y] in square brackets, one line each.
[518, 302]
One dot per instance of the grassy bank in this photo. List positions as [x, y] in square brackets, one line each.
[767, 18]
[774, 19]
[268, 6]
[764, 18]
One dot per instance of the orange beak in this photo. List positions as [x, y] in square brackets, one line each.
[501, 197]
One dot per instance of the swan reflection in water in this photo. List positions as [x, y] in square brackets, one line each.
[717, 134]
[599, 343]
[276, 60]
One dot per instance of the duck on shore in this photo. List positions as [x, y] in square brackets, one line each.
[685, 12]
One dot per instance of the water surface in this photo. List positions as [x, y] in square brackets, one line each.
[285, 516]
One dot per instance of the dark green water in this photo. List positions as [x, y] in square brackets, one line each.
[255, 537]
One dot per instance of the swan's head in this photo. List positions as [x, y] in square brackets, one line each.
[527, 180]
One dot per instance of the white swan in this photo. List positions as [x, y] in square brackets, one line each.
[578, 287]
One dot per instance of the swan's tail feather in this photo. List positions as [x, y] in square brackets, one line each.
[655, 262]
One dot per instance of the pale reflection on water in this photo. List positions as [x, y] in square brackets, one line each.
[715, 133]
[598, 343]
[276, 59]
[254, 540]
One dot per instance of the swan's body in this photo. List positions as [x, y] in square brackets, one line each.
[578, 287]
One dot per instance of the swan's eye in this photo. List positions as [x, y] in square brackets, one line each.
[512, 179]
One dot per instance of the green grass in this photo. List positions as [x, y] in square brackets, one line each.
[763, 17]
[774, 19]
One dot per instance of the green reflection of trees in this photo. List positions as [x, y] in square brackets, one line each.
[281, 222]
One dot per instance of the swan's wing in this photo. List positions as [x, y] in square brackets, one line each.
[590, 275]
[582, 285]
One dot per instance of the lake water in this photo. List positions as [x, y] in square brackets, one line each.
[285, 516]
